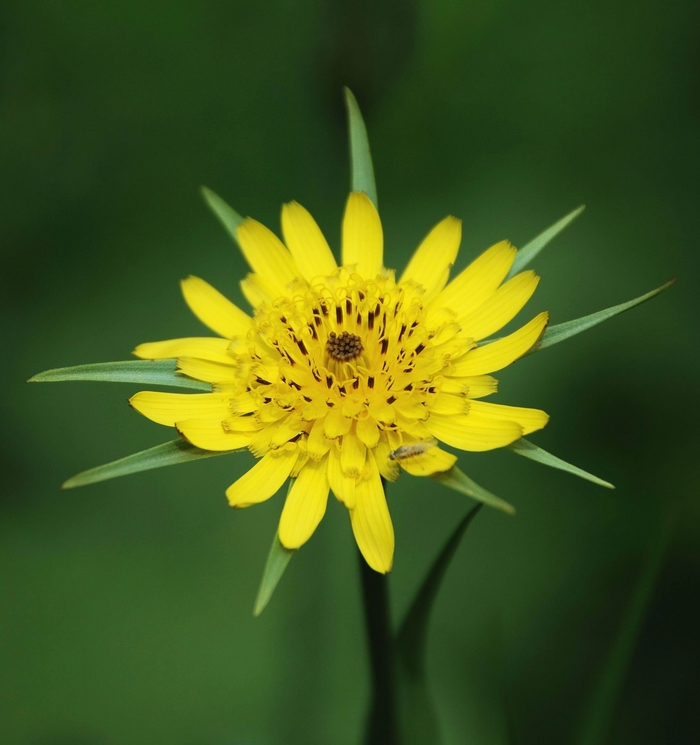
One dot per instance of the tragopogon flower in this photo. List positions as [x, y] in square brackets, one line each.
[344, 374]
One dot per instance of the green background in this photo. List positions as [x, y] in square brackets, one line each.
[125, 607]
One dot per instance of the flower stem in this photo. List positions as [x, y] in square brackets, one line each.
[382, 724]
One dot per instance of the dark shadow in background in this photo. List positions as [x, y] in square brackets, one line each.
[366, 46]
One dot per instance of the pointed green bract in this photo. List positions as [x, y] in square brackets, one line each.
[595, 729]
[418, 716]
[455, 479]
[562, 331]
[276, 563]
[167, 454]
[147, 372]
[532, 451]
[528, 252]
[411, 639]
[362, 178]
[228, 217]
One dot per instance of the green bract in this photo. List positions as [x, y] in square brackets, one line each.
[167, 454]
[146, 372]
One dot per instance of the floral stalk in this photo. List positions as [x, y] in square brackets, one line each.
[382, 720]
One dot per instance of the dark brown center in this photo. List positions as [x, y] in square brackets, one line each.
[344, 347]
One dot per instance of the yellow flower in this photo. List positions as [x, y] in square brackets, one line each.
[343, 374]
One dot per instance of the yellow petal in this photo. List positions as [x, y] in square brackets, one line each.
[265, 373]
[263, 480]
[213, 309]
[431, 263]
[367, 431]
[352, 455]
[257, 290]
[501, 353]
[209, 434]
[388, 468]
[336, 424]
[241, 424]
[302, 460]
[243, 403]
[315, 409]
[371, 522]
[529, 419]
[305, 504]
[480, 279]
[269, 413]
[413, 429]
[317, 444]
[352, 407]
[211, 372]
[501, 307]
[382, 411]
[343, 486]
[431, 461]
[266, 255]
[449, 403]
[168, 408]
[411, 407]
[363, 240]
[306, 243]
[260, 441]
[287, 429]
[204, 347]
[476, 386]
[473, 432]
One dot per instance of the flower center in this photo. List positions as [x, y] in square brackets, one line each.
[344, 347]
[346, 351]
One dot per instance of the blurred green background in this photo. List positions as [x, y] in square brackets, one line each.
[125, 607]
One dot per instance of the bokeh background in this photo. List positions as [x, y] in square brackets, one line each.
[125, 607]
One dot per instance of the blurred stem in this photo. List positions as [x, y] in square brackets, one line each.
[382, 725]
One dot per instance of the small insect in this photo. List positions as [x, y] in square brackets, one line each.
[412, 449]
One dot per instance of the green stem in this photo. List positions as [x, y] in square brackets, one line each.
[382, 723]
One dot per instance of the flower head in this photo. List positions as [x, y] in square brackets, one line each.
[344, 374]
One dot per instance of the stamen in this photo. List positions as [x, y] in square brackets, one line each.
[344, 347]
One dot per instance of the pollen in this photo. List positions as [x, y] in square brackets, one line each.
[344, 347]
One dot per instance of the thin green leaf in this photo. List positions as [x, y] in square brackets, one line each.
[411, 640]
[228, 217]
[276, 563]
[599, 716]
[562, 331]
[418, 716]
[528, 252]
[362, 178]
[167, 454]
[455, 479]
[532, 451]
[148, 372]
